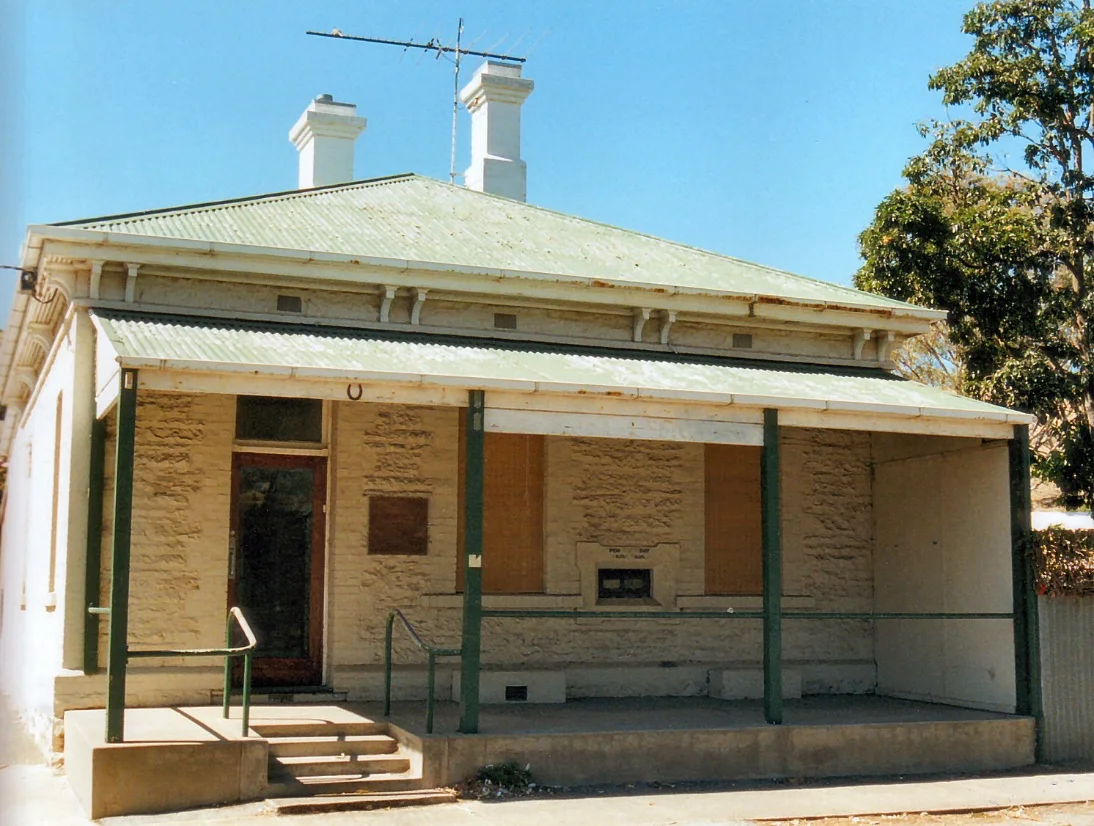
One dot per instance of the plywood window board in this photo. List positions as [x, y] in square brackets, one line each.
[734, 541]
[512, 558]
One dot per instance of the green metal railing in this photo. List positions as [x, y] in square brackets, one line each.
[229, 652]
[432, 652]
[514, 613]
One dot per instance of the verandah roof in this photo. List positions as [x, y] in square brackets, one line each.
[186, 344]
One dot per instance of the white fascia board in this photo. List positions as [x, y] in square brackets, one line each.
[496, 420]
[626, 289]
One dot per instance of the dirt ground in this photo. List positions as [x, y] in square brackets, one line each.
[1075, 814]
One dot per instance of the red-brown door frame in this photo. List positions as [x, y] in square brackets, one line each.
[269, 671]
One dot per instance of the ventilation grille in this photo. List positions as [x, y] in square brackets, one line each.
[742, 340]
[505, 321]
[289, 304]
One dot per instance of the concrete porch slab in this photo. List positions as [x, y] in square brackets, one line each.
[171, 760]
[587, 742]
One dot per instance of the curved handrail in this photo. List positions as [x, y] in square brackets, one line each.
[247, 652]
[432, 652]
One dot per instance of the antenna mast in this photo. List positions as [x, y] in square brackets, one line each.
[434, 45]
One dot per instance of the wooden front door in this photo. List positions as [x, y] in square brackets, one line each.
[276, 563]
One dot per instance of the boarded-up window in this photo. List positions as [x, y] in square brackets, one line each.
[734, 543]
[512, 539]
[398, 525]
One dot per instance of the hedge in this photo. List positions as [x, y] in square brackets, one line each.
[1063, 562]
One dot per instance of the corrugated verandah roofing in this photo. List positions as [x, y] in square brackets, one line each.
[417, 219]
[212, 345]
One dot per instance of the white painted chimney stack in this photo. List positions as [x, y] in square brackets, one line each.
[324, 137]
[494, 97]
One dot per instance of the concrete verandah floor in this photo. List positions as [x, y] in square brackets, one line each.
[670, 713]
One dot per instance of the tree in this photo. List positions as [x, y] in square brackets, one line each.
[1008, 248]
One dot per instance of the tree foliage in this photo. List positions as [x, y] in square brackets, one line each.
[1007, 248]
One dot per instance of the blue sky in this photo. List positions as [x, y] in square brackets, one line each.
[764, 130]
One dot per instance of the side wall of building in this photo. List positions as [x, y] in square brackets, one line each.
[36, 574]
[942, 512]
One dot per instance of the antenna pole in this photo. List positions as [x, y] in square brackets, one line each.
[433, 45]
[455, 101]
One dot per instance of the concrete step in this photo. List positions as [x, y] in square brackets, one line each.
[333, 744]
[361, 803]
[299, 729]
[287, 786]
[330, 765]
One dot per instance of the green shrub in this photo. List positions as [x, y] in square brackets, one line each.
[1063, 562]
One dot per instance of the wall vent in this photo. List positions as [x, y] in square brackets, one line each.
[742, 340]
[516, 694]
[505, 321]
[289, 304]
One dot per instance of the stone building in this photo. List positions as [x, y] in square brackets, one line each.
[326, 404]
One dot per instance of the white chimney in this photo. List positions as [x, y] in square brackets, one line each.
[494, 97]
[324, 137]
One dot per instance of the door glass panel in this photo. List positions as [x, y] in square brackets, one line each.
[274, 548]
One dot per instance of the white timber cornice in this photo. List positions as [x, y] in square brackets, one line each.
[90, 244]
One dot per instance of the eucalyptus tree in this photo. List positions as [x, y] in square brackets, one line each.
[995, 224]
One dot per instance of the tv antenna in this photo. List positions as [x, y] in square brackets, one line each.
[442, 50]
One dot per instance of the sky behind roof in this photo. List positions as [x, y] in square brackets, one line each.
[765, 131]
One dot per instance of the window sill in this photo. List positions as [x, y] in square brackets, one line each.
[742, 603]
[502, 601]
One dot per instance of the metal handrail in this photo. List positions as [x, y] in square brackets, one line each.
[555, 613]
[228, 652]
[432, 652]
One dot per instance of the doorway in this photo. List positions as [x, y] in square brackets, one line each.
[276, 563]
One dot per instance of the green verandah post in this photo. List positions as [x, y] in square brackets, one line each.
[94, 555]
[472, 583]
[119, 569]
[1027, 646]
[772, 569]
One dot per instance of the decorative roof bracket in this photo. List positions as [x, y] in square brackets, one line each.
[416, 310]
[131, 282]
[641, 316]
[862, 336]
[668, 318]
[385, 305]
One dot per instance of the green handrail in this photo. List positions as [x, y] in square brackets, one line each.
[228, 652]
[432, 653]
[531, 613]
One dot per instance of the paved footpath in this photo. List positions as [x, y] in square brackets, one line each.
[35, 796]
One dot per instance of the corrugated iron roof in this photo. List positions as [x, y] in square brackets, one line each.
[172, 342]
[417, 219]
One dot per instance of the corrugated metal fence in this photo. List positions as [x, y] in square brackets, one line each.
[1067, 676]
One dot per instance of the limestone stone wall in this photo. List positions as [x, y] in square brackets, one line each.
[605, 492]
[181, 501]
[609, 492]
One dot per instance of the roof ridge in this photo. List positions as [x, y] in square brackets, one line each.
[284, 195]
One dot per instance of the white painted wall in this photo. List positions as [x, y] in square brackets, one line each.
[942, 543]
[32, 630]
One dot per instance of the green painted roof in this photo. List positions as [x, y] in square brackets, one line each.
[228, 346]
[417, 219]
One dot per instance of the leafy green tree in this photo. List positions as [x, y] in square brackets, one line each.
[1007, 248]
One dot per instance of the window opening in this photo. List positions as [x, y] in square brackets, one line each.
[273, 419]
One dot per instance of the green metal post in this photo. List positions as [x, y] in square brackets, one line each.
[430, 690]
[227, 668]
[119, 570]
[94, 556]
[247, 665]
[472, 583]
[387, 663]
[772, 569]
[1027, 647]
